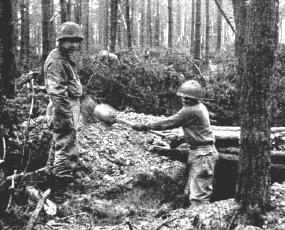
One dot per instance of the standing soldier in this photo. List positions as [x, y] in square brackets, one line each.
[195, 122]
[64, 89]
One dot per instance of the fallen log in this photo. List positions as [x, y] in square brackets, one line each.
[38, 209]
[231, 153]
[226, 170]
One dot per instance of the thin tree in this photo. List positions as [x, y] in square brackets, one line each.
[86, 25]
[207, 35]
[192, 28]
[114, 22]
[219, 27]
[178, 23]
[48, 32]
[149, 27]
[157, 25]
[128, 22]
[142, 24]
[197, 43]
[78, 12]
[63, 11]
[170, 23]
[254, 179]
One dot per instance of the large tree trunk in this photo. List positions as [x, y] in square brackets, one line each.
[8, 69]
[170, 23]
[197, 44]
[253, 186]
[114, 20]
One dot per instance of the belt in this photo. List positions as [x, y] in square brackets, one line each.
[200, 146]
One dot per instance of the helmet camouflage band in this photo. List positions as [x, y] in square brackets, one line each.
[70, 30]
[191, 89]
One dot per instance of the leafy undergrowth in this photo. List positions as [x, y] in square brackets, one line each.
[123, 185]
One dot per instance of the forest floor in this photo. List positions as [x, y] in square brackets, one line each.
[124, 186]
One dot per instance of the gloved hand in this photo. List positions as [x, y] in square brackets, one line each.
[140, 127]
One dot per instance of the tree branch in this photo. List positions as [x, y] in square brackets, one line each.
[224, 15]
[37, 211]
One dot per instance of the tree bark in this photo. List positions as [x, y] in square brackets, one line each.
[8, 69]
[207, 35]
[197, 44]
[219, 27]
[63, 11]
[47, 28]
[128, 22]
[149, 26]
[170, 23]
[253, 185]
[157, 26]
[114, 20]
[142, 24]
[192, 28]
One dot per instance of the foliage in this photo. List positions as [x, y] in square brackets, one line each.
[147, 84]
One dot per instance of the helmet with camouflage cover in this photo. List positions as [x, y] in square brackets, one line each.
[191, 89]
[70, 30]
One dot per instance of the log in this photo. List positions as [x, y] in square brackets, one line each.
[231, 153]
[38, 209]
[226, 170]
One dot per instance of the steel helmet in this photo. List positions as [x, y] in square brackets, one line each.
[70, 30]
[191, 89]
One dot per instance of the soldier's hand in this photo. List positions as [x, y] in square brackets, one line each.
[140, 127]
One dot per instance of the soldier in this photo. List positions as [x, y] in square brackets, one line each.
[195, 122]
[64, 89]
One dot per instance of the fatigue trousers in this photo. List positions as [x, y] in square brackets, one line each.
[64, 151]
[201, 163]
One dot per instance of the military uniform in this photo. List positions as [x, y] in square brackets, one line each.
[64, 88]
[203, 155]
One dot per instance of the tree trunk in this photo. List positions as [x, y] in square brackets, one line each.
[178, 35]
[219, 27]
[149, 27]
[48, 28]
[197, 44]
[68, 10]
[207, 39]
[253, 185]
[78, 12]
[157, 25]
[128, 22]
[63, 11]
[8, 57]
[142, 29]
[192, 28]
[86, 25]
[114, 20]
[170, 23]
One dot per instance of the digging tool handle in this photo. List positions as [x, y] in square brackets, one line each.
[132, 124]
